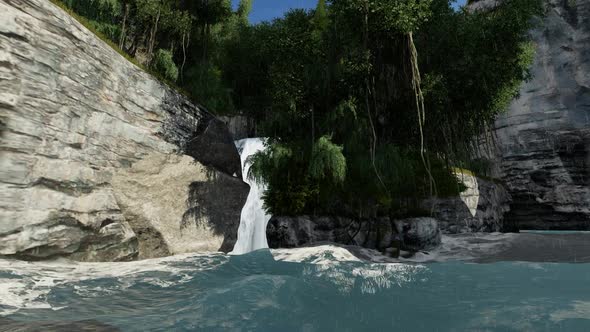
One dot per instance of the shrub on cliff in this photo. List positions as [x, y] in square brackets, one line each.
[164, 64]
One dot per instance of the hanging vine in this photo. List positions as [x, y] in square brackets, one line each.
[420, 110]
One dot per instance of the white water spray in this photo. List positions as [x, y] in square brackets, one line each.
[253, 220]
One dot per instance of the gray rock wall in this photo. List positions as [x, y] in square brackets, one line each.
[543, 141]
[240, 126]
[380, 233]
[480, 208]
[98, 160]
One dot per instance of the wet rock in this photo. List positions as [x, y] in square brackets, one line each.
[240, 126]
[419, 233]
[87, 138]
[379, 233]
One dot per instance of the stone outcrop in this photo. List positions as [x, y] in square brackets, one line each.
[480, 208]
[543, 141]
[98, 160]
[419, 233]
[240, 126]
[291, 232]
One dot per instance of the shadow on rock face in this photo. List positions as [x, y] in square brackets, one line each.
[213, 145]
[220, 202]
[200, 134]
[9, 325]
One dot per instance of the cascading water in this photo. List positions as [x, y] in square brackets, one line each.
[253, 220]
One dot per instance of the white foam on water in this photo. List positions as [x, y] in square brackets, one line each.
[324, 254]
[578, 310]
[458, 247]
[253, 220]
[28, 283]
[329, 261]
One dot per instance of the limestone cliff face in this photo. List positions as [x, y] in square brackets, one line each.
[98, 160]
[544, 139]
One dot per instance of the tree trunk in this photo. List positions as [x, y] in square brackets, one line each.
[124, 27]
[152, 42]
[206, 34]
[183, 57]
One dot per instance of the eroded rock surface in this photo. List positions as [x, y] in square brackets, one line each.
[480, 208]
[91, 146]
[380, 233]
[544, 139]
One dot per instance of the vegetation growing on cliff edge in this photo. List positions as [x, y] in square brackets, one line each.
[182, 42]
[401, 88]
[368, 104]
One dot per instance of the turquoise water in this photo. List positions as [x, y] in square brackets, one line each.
[256, 293]
[553, 232]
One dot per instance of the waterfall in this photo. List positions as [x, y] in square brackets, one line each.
[253, 220]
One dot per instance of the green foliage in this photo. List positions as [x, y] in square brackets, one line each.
[335, 89]
[476, 63]
[392, 16]
[244, 9]
[289, 186]
[340, 73]
[190, 36]
[327, 161]
[205, 83]
[164, 64]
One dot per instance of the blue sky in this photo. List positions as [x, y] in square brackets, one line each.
[265, 10]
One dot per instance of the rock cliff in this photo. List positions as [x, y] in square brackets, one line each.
[480, 208]
[377, 233]
[100, 161]
[543, 141]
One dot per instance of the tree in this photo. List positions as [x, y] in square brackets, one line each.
[244, 9]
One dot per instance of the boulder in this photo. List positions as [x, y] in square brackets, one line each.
[99, 161]
[419, 233]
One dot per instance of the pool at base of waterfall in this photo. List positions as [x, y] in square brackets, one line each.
[309, 289]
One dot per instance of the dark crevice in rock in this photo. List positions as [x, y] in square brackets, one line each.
[571, 12]
[527, 213]
[575, 158]
[2, 127]
[6, 64]
[77, 146]
[14, 36]
[107, 222]
[72, 188]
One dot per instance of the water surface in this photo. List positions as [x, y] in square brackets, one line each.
[327, 289]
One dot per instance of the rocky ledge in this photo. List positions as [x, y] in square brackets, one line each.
[99, 160]
[383, 234]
